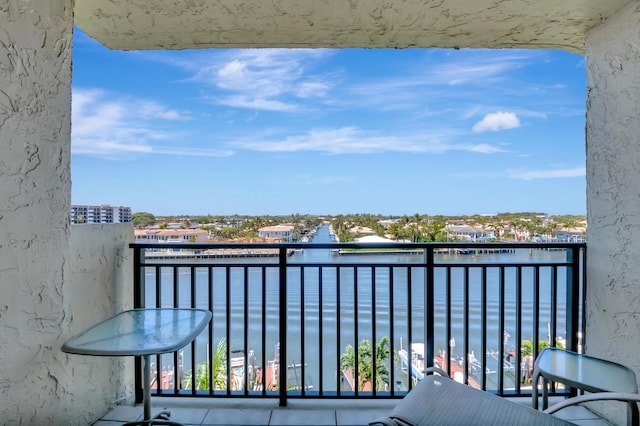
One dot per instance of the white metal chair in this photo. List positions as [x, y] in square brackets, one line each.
[585, 373]
[598, 396]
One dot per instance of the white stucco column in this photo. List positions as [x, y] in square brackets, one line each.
[613, 188]
[35, 122]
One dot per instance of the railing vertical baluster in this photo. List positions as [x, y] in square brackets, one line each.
[282, 373]
[138, 302]
[554, 316]
[536, 310]
[302, 331]
[321, 331]
[245, 343]
[429, 304]
[502, 331]
[176, 284]
[583, 298]
[193, 288]
[158, 287]
[392, 336]
[228, 327]
[466, 325]
[554, 306]
[210, 295]
[483, 331]
[409, 328]
[356, 374]
[139, 278]
[194, 366]
[339, 376]
[573, 298]
[447, 359]
[518, 336]
[263, 361]
[178, 362]
[158, 304]
[374, 347]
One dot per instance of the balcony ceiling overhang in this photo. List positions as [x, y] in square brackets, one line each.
[187, 24]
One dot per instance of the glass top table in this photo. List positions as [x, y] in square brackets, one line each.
[141, 332]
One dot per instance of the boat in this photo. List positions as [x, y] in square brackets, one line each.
[294, 377]
[415, 368]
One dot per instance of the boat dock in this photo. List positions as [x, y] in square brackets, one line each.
[187, 254]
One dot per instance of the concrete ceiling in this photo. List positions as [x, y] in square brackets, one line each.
[186, 24]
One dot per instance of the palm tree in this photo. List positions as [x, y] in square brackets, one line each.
[220, 365]
[382, 354]
[203, 372]
[365, 363]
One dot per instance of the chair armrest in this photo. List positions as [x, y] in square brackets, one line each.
[437, 370]
[598, 396]
[385, 421]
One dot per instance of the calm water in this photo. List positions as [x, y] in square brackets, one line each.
[307, 316]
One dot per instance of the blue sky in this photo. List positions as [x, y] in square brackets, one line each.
[325, 131]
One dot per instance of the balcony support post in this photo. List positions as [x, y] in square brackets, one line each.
[282, 367]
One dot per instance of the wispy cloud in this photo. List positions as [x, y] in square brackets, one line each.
[352, 140]
[107, 125]
[479, 66]
[263, 79]
[546, 174]
[500, 120]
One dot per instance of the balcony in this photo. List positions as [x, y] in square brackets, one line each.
[533, 287]
[487, 306]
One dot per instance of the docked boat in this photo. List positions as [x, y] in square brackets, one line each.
[413, 364]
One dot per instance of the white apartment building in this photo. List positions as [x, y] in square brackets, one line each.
[99, 214]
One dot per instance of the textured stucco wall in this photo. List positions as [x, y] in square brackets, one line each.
[613, 189]
[99, 284]
[53, 280]
[35, 103]
[177, 24]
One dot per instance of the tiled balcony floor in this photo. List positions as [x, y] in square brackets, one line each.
[217, 412]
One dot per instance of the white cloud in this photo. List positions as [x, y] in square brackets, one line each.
[482, 66]
[497, 121]
[547, 174]
[484, 148]
[352, 140]
[264, 79]
[251, 102]
[104, 124]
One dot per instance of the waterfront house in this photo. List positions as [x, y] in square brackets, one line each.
[57, 279]
[573, 235]
[465, 233]
[283, 233]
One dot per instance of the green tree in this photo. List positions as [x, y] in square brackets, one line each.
[365, 363]
[204, 372]
[142, 219]
[526, 347]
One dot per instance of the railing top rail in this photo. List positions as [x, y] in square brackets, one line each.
[446, 245]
